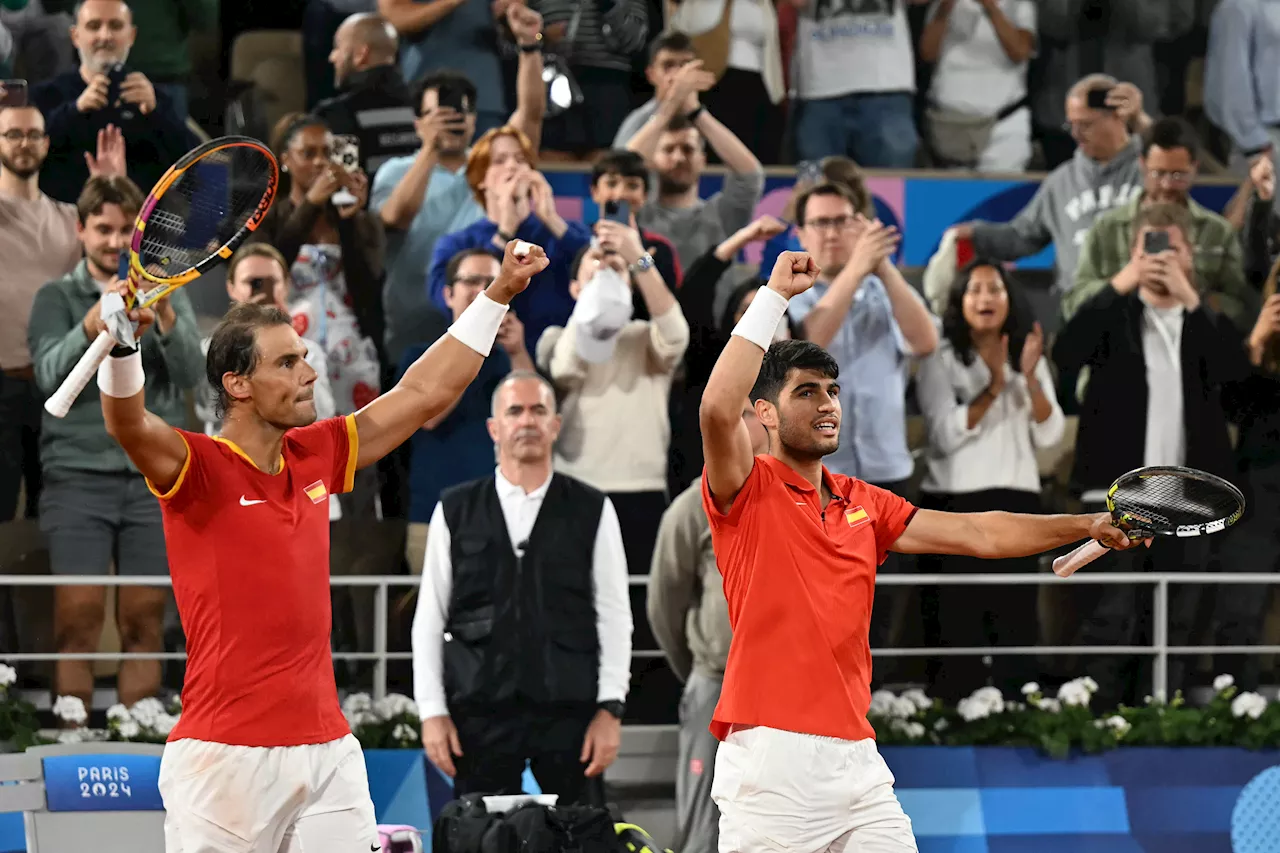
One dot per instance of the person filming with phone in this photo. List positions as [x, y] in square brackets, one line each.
[1169, 161]
[104, 91]
[1159, 359]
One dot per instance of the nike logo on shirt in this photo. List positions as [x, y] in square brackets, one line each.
[246, 502]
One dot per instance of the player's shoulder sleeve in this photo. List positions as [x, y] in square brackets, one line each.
[193, 478]
[746, 495]
[890, 514]
[335, 442]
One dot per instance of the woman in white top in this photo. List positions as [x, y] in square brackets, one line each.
[978, 114]
[738, 41]
[988, 401]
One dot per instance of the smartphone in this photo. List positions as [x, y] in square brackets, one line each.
[260, 285]
[453, 98]
[1097, 99]
[13, 93]
[1155, 242]
[618, 211]
[346, 154]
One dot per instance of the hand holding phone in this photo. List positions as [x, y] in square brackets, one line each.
[1155, 242]
[13, 93]
[618, 211]
[346, 154]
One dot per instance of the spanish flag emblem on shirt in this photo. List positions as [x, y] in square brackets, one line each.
[857, 516]
[316, 491]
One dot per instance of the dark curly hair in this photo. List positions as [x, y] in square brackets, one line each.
[1018, 323]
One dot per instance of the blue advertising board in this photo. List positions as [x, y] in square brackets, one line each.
[922, 208]
[960, 799]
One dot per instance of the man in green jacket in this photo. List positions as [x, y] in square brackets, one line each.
[95, 507]
[1169, 150]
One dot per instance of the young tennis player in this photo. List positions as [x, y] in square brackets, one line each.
[262, 759]
[798, 546]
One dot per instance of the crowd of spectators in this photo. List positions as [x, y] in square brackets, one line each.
[401, 188]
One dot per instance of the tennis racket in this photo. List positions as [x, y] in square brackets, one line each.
[196, 216]
[1162, 501]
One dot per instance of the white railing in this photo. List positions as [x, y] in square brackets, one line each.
[1159, 647]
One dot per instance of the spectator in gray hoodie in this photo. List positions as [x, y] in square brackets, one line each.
[1104, 173]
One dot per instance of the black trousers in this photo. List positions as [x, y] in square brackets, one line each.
[19, 445]
[496, 745]
[974, 616]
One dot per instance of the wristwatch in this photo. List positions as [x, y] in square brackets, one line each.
[645, 263]
[614, 708]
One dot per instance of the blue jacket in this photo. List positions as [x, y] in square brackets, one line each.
[546, 302]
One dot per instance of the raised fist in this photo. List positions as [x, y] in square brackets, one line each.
[793, 273]
[521, 261]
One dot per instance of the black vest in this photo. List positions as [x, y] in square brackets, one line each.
[521, 627]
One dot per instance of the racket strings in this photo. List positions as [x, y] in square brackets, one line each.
[204, 208]
[1171, 500]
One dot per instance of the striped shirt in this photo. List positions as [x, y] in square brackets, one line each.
[627, 22]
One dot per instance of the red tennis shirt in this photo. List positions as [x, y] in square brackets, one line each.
[249, 556]
[800, 581]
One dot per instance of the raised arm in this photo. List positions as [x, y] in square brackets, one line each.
[726, 445]
[531, 91]
[444, 371]
[158, 450]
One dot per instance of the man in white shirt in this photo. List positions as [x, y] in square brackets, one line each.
[854, 79]
[522, 636]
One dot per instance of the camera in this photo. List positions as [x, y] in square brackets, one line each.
[618, 211]
[1155, 242]
[13, 93]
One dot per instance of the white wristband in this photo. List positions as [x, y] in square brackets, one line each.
[760, 321]
[121, 377]
[478, 325]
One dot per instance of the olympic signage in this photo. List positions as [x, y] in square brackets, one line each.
[102, 783]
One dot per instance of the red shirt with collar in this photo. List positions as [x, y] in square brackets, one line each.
[249, 556]
[800, 580]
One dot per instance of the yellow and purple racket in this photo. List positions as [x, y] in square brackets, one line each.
[196, 216]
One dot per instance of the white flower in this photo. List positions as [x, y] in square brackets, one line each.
[72, 736]
[882, 703]
[915, 730]
[394, 705]
[1089, 684]
[1029, 688]
[1249, 705]
[117, 713]
[1049, 705]
[903, 708]
[129, 730]
[165, 723]
[971, 709]
[1222, 682]
[941, 724]
[8, 675]
[404, 732]
[1074, 693]
[1014, 706]
[70, 709]
[991, 697]
[356, 703]
[146, 711]
[918, 698]
[363, 718]
[1118, 724]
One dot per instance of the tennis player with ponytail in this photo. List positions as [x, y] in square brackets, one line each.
[262, 760]
[798, 546]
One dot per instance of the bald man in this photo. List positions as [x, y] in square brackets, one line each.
[78, 104]
[373, 103]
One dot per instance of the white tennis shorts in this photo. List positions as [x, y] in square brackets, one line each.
[780, 790]
[252, 799]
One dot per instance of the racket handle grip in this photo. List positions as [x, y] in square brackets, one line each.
[86, 368]
[1068, 564]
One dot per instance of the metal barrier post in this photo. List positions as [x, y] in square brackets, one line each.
[1160, 674]
[380, 641]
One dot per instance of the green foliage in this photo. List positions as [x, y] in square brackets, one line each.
[1066, 724]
